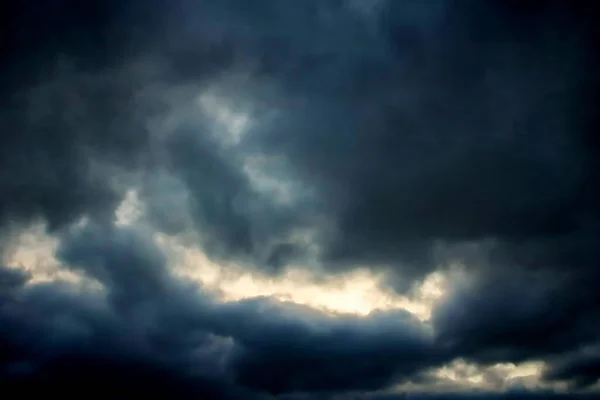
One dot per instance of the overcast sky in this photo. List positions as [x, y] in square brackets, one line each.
[300, 199]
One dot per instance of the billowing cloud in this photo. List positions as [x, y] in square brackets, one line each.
[408, 139]
[154, 326]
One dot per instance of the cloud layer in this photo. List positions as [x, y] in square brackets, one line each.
[405, 137]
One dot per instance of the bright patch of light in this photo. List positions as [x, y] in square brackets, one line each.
[130, 210]
[34, 252]
[257, 170]
[433, 287]
[233, 124]
[357, 293]
[499, 377]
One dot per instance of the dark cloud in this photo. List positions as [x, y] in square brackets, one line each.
[146, 331]
[414, 135]
[514, 395]
[63, 121]
[464, 139]
[581, 369]
[516, 318]
[283, 354]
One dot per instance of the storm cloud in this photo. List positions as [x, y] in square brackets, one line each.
[404, 137]
[145, 325]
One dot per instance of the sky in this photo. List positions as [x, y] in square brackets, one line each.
[300, 199]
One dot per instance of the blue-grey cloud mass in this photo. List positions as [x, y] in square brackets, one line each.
[401, 135]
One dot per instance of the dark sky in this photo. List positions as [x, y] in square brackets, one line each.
[407, 137]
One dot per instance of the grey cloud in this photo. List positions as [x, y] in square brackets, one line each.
[580, 368]
[452, 125]
[163, 334]
[522, 316]
[517, 394]
[460, 138]
[284, 352]
[429, 155]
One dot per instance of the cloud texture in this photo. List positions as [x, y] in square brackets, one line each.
[407, 137]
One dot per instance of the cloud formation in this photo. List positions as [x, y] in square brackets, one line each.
[406, 137]
[155, 327]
